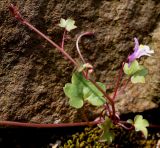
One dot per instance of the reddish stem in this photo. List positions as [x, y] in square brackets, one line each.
[106, 106]
[36, 125]
[23, 124]
[77, 44]
[124, 84]
[150, 125]
[106, 96]
[125, 127]
[63, 39]
[118, 82]
[17, 15]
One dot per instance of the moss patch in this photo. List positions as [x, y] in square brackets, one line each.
[89, 138]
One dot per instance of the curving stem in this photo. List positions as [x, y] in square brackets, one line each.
[18, 16]
[77, 44]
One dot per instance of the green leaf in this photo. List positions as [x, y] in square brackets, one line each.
[93, 95]
[80, 90]
[140, 124]
[70, 24]
[107, 135]
[62, 23]
[142, 71]
[67, 24]
[139, 76]
[136, 71]
[130, 121]
[74, 94]
[137, 79]
[131, 69]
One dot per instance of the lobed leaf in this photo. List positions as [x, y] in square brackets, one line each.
[139, 76]
[140, 124]
[132, 68]
[62, 23]
[80, 90]
[137, 79]
[74, 94]
[136, 71]
[107, 135]
[67, 24]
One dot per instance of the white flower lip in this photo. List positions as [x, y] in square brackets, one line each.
[144, 50]
[139, 50]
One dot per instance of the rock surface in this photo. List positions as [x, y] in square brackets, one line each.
[32, 73]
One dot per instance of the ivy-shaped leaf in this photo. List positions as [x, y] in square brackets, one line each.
[137, 79]
[140, 124]
[80, 90]
[67, 24]
[139, 76]
[136, 71]
[142, 71]
[93, 95]
[132, 68]
[107, 135]
[75, 95]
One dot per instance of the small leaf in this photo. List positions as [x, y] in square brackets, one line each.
[139, 76]
[67, 24]
[93, 95]
[62, 23]
[81, 90]
[131, 69]
[140, 124]
[142, 71]
[130, 121]
[137, 79]
[70, 24]
[136, 71]
[107, 135]
[74, 94]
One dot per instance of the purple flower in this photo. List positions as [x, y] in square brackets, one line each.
[139, 50]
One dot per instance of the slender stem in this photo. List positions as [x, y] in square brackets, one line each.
[150, 125]
[77, 44]
[109, 85]
[17, 15]
[106, 106]
[125, 127]
[23, 124]
[154, 126]
[51, 42]
[105, 95]
[64, 34]
[124, 84]
[118, 82]
[36, 125]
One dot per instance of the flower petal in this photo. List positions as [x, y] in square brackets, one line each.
[139, 50]
[136, 46]
[144, 50]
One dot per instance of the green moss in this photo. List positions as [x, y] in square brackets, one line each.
[89, 138]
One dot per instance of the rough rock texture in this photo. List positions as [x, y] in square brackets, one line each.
[32, 73]
[137, 97]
